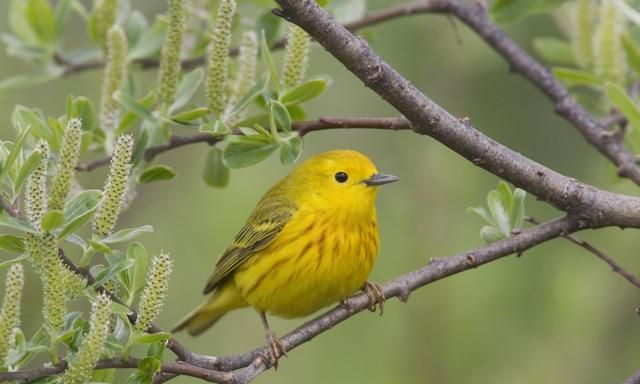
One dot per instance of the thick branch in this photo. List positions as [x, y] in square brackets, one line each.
[595, 207]
[303, 127]
[475, 16]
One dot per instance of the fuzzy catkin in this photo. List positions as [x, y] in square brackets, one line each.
[10, 312]
[169, 72]
[114, 188]
[69, 154]
[581, 18]
[247, 64]
[35, 202]
[52, 274]
[81, 368]
[218, 58]
[296, 56]
[102, 18]
[115, 72]
[155, 291]
[610, 60]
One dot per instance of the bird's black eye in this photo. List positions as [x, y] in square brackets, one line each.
[341, 177]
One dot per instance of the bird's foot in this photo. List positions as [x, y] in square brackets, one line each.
[376, 296]
[275, 349]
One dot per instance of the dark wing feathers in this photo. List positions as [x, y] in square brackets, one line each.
[266, 222]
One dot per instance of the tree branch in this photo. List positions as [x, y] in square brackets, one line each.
[400, 287]
[475, 16]
[594, 207]
[178, 368]
[615, 267]
[303, 127]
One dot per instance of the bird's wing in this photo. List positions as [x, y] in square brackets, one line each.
[266, 222]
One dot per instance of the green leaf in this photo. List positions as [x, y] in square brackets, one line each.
[150, 338]
[246, 153]
[112, 270]
[279, 115]
[137, 274]
[99, 247]
[40, 16]
[573, 77]
[7, 221]
[132, 105]
[24, 117]
[149, 365]
[81, 203]
[76, 223]
[517, 211]
[215, 173]
[491, 234]
[187, 88]
[119, 309]
[13, 244]
[554, 50]
[306, 91]
[52, 220]
[84, 110]
[127, 234]
[252, 94]
[265, 52]
[156, 173]
[19, 24]
[17, 149]
[506, 195]
[290, 150]
[215, 128]
[131, 117]
[149, 42]
[632, 51]
[499, 212]
[483, 213]
[190, 115]
[27, 167]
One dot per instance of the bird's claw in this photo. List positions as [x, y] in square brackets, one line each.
[376, 296]
[275, 349]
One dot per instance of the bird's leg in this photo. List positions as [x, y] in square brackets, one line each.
[375, 294]
[274, 345]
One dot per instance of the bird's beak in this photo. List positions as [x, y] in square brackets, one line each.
[380, 179]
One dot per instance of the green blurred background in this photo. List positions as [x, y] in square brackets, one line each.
[555, 315]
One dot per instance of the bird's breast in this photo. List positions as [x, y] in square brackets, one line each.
[317, 259]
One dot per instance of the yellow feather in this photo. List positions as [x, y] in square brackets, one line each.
[311, 241]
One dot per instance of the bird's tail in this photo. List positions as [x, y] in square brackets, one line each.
[223, 300]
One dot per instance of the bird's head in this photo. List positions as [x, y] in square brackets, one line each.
[343, 179]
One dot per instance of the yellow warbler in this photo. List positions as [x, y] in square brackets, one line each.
[310, 242]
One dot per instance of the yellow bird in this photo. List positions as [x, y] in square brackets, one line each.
[311, 241]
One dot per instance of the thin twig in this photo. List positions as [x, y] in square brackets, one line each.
[615, 267]
[303, 127]
[179, 368]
